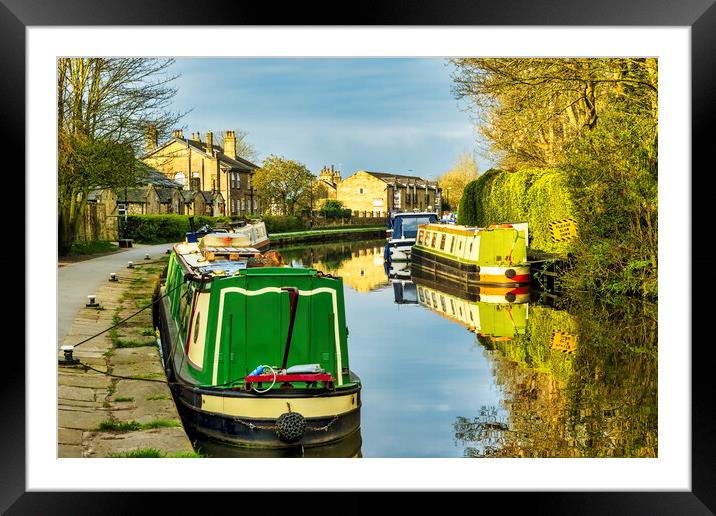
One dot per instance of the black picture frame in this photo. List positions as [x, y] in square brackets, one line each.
[699, 15]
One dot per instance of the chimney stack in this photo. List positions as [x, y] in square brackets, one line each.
[178, 133]
[230, 144]
[152, 140]
[210, 143]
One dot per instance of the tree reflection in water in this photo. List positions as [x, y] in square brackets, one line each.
[597, 398]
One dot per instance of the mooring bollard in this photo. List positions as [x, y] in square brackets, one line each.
[92, 301]
[69, 359]
[113, 276]
[146, 256]
[130, 265]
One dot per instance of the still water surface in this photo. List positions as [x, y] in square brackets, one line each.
[446, 374]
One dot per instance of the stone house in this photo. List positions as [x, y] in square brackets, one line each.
[202, 166]
[327, 185]
[378, 193]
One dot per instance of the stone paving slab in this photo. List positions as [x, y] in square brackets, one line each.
[69, 451]
[101, 444]
[69, 436]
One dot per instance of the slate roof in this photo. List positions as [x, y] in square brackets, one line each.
[209, 196]
[165, 194]
[189, 195]
[149, 176]
[134, 195]
[402, 180]
[240, 164]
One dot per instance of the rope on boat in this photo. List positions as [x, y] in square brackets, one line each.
[128, 318]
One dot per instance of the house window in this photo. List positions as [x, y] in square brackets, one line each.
[360, 190]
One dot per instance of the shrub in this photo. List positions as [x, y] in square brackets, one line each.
[333, 209]
[535, 196]
[159, 229]
[282, 223]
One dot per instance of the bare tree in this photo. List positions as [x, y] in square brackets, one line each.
[104, 108]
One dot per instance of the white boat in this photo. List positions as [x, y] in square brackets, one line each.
[402, 232]
[252, 235]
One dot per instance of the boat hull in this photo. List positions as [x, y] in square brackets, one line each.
[469, 273]
[247, 418]
[250, 431]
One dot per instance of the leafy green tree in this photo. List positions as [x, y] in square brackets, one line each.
[284, 185]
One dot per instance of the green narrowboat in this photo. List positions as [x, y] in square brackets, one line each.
[255, 351]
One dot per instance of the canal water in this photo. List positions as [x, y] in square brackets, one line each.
[447, 373]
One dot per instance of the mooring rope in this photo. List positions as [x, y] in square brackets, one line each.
[128, 318]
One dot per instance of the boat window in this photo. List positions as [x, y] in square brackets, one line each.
[432, 244]
[470, 251]
[442, 302]
[197, 323]
[459, 245]
[452, 243]
[442, 242]
[420, 236]
[408, 226]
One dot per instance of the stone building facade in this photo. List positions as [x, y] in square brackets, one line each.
[379, 193]
[203, 166]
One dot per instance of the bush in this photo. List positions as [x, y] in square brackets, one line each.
[535, 196]
[333, 209]
[159, 229]
[282, 223]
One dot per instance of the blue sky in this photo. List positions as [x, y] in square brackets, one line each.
[382, 114]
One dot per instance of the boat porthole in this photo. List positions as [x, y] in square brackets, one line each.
[196, 326]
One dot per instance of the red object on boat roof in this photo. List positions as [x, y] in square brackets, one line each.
[326, 378]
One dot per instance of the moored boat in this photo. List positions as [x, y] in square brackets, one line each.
[252, 234]
[402, 231]
[256, 352]
[496, 255]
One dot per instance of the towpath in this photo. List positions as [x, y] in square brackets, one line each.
[76, 280]
[122, 403]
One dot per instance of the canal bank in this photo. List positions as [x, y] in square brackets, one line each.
[326, 236]
[118, 403]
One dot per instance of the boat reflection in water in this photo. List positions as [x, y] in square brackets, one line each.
[349, 447]
[499, 313]
[404, 289]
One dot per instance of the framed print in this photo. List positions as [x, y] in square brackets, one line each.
[665, 469]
